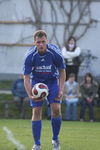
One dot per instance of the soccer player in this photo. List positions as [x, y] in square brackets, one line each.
[44, 63]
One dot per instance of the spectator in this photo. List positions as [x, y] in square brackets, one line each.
[71, 94]
[88, 89]
[71, 53]
[20, 95]
[98, 99]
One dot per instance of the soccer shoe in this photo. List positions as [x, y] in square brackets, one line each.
[56, 144]
[36, 147]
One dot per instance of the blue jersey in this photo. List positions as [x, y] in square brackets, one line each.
[44, 67]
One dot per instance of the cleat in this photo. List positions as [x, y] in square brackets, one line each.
[56, 144]
[36, 147]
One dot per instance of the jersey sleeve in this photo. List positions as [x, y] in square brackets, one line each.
[60, 63]
[27, 68]
[58, 57]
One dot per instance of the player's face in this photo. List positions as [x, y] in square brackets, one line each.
[41, 44]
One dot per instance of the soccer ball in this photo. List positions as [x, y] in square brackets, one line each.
[40, 90]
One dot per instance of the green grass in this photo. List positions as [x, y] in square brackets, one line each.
[6, 97]
[73, 135]
[5, 84]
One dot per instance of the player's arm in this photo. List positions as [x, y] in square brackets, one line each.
[62, 77]
[27, 68]
[28, 86]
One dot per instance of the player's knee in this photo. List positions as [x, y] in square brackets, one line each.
[36, 113]
[56, 112]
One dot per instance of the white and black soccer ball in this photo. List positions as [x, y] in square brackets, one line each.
[40, 90]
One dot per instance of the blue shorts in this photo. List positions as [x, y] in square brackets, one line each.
[53, 92]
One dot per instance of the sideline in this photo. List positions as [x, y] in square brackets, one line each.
[13, 140]
[5, 92]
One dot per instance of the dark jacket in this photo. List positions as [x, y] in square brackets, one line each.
[88, 91]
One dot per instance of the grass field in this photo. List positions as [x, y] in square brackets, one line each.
[73, 135]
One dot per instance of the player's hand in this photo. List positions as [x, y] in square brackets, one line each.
[60, 95]
[36, 99]
[31, 97]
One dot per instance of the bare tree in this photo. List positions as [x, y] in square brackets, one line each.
[37, 9]
[75, 16]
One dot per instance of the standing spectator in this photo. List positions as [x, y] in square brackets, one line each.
[71, 53]
[88, 89]
[20, 95]
[71, 94]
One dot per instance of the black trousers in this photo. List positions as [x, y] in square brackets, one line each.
[72, 69]
[84, 105]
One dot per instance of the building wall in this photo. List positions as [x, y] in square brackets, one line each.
[11, 57]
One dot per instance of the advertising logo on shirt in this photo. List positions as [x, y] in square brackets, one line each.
[43, 69]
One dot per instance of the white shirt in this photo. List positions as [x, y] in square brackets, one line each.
[71, 54]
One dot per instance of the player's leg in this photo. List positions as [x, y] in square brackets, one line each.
[56, 120]
[56, 117]
[36, 123]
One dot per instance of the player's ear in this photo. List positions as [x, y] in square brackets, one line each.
[47, 41]
[34, 42]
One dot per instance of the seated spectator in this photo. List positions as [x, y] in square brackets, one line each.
[98, 99]
[88, 89]
[20, 95]
[71, 94]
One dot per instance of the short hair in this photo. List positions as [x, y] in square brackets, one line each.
[39, 33]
